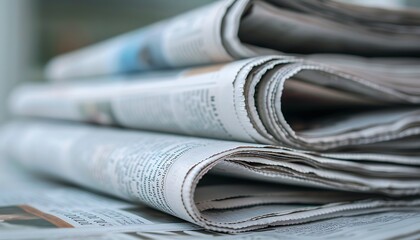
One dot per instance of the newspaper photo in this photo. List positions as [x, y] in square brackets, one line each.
[234, 29]
[270, 100]
[219, 185]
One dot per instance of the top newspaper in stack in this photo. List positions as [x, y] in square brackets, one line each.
[228, 30]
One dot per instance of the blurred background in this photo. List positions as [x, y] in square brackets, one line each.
[33, 31]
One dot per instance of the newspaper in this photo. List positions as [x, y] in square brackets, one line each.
[271, 100]
[379, 226]
[235, 29]
[218, 185]
[34, 207]
[101, 217]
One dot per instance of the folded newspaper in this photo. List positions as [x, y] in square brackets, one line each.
[356, 119]
[219, 185]
[35, 207]
[232, 29]
[350, 103]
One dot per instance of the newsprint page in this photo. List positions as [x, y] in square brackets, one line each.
[242, 119]
[55, 210]
[191, 179]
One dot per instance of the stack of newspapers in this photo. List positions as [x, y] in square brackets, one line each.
[237, 116]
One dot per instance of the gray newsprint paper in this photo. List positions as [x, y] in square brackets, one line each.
[234, 29]
[350, 103]
[376, 226]
[221, 186]
[34, 207]
[48, 210]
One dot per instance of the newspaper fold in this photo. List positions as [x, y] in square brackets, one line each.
[234, 29]
[48, 210]
[273, 100]
[35, 207]
[177, 175]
